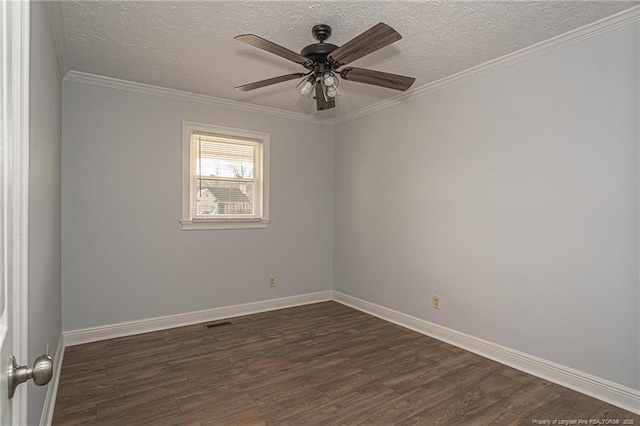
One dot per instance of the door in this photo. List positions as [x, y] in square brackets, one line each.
[14, 75]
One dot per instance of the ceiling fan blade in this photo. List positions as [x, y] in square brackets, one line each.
[271, 47]
[269, 81]
[374, 38]
[321, 102]
[377, 78]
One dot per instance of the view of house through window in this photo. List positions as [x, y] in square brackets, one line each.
[224, 181]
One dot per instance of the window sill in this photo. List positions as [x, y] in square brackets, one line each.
[203, 225]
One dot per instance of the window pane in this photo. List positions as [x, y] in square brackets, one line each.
[215, 197]
[222, 159]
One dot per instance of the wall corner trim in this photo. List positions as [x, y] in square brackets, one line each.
[54, 8]
[94, 334]
[52, 391]
[606, 24]
[602, 389]
[148, 89]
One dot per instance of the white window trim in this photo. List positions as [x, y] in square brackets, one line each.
[190, 224]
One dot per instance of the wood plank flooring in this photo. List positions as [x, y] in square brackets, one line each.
[317, 364]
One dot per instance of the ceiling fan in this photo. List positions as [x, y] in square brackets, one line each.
[322, 60]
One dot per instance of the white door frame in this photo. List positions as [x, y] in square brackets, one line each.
[18, 51]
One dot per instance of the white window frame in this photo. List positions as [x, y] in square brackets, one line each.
[261, 219]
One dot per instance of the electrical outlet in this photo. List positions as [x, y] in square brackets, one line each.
[272, 282]
[435, 302]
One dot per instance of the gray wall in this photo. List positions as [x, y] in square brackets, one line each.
[125, 256]
[513, 196]
[45, 301]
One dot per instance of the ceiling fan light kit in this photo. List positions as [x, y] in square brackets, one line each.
[322, 61]
[306, 85]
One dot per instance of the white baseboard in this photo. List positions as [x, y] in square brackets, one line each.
[94, 334]
[52, 391]
[602, 389]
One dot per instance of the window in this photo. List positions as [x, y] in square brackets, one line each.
[225, 178]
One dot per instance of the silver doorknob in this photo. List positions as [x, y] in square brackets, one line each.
[41, 372]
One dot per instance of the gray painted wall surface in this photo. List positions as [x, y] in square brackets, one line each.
[513, 196]
[125, 256]
[45, 300]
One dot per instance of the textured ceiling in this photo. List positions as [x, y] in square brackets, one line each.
[189, 45]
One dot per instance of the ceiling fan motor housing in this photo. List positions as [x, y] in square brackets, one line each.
[318, 52]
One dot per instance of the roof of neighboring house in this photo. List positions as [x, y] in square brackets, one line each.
[228, 195]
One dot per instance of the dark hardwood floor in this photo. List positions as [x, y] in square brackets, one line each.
[316, 364]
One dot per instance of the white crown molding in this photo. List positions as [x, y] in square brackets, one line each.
[602, 389]
[573, 36]
[130, 86]
[94, 334]
[576, 35]
[57, 28]
[52, 391]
